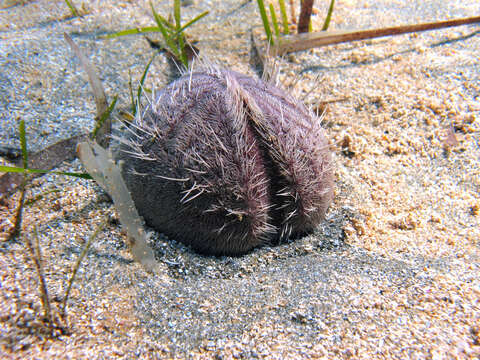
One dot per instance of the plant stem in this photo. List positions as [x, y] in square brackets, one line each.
[37, 259]
[310, 40]
[305, 15]
[283, 11]
[329, 16]
[266, 25]
[72, 7]
[178, 26]
[18, 214]
[276, 28]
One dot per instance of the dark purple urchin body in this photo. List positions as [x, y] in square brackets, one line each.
[225, 162]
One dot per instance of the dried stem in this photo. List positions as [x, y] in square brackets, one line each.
[18, 214]
[305, 15]
[23, 146]
[300, 42]
[47, 159]
[36, 256]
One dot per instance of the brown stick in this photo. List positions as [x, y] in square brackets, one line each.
[36, 256]
[300, 42]
[46, 159]
[305, 15]
[17, 228]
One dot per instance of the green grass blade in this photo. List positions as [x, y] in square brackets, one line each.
[168, 25]
[183, 53]
[72, 7]
[15, 169]
[67, 173]
[276, 28]
[132, 98]
[266, 25]
[143, 30]
[283, 11]
[142, 79]
[23, 143]
[177, 15]
[166, 36]
[194, 20]
[104, 116]
[178, 26]
[326, 24]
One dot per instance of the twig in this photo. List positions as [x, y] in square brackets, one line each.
[77, 266]
[23, 145]
[47, 159]
[18, 214]
[37, 259]
[305, 41]
[305, 15]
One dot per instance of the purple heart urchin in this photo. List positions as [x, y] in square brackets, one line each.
[225, 162]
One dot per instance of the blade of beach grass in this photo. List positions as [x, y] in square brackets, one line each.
[283, 11]
[266, 25]
[23, 143]
[17, 228]
[191, 22]
[326, 24]
[104, 117]
[178, 25]
[143, 30]
[166, 36]
[142, 79]
[276, 28]
[14, 169]
[72, 8]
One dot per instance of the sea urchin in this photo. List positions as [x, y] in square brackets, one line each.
[225, 162]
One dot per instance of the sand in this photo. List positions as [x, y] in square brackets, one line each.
[391, 273]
